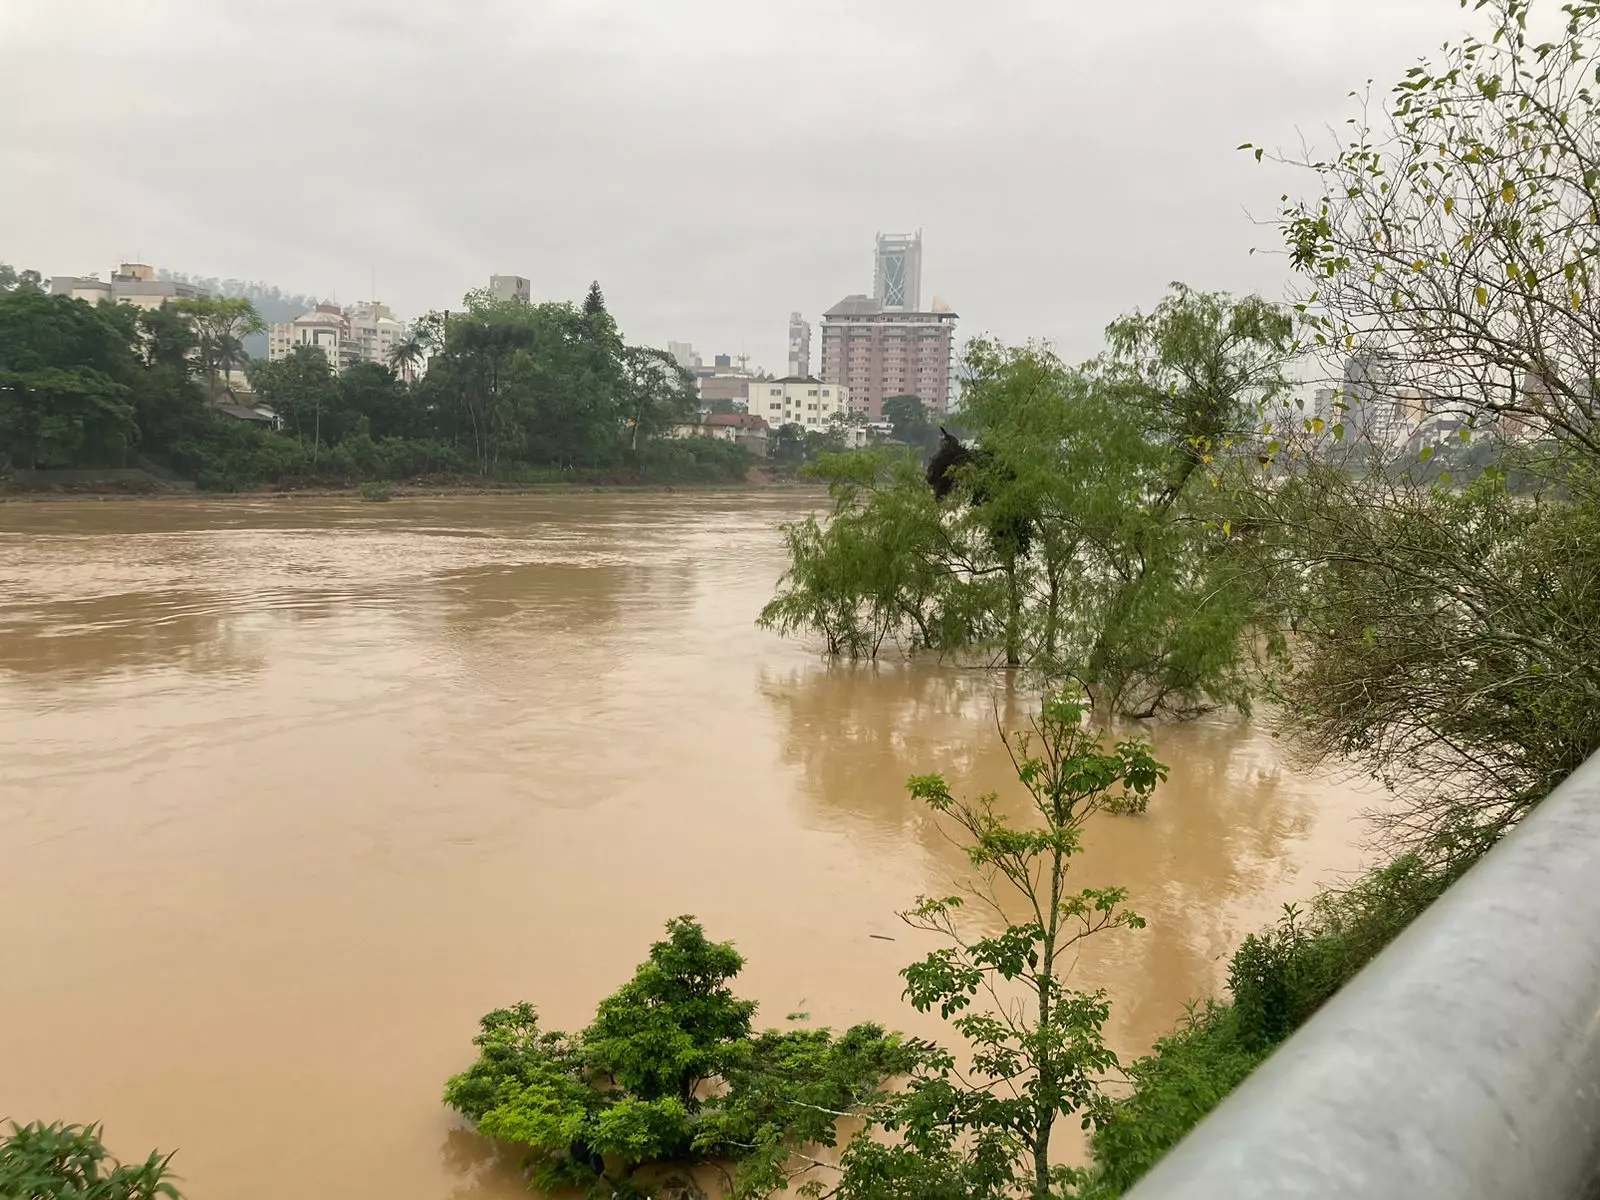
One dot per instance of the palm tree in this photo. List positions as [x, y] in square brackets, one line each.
[230, 353]
[407, 356]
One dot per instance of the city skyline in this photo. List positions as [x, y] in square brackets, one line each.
[1045, 224]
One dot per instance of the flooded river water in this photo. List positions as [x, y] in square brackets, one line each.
[292, 791]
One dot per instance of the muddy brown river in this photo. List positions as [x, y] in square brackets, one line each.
[292, 791]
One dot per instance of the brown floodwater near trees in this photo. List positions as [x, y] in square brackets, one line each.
[292, 791]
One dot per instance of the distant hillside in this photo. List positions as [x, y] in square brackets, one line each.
[273, 304]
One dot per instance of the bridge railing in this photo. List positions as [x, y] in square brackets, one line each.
[1462, 1063]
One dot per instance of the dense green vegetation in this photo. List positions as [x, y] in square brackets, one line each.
[516, 393]
[1167, 529]
[1084, 541]
[68, 1162]
[670, 1073]
[1158, 532]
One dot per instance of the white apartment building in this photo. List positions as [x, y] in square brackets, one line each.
[375, 331]
[798, 400]
[366, 332]
[324, 329]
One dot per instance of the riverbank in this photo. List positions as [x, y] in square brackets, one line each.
[401, 491]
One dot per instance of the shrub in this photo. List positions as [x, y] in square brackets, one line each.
[67, 1162]
[1279, 978]
[1183, 1078]
[668, 1071]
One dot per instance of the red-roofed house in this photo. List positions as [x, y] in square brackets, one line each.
[743, 429]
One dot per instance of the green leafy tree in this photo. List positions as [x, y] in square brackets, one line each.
[1454, 233]
[1037, 1054]
[594, 303]
[872, 570]
[789, 443]
[1446, 634]
[911, 422]
[220, 326]
[65, 376]
[660, 392]
[669, 1071]
[1079, 538]
[301, 388]
[68, 1162]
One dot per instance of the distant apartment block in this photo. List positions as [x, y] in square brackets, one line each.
[725, 381]
[130, 283]
[897, 271]
[799, 345]
[366, 332]
[685, 355]
[874, 353]
[511, 287]
[798, 400]
[375, 331]
[324, 329]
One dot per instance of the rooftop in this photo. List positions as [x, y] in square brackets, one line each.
[857, 305]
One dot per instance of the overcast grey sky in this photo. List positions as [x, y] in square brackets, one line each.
[714, 163]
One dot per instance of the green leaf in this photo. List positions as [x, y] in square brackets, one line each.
[1338, 432]
[1482, 295]
[1427, 453]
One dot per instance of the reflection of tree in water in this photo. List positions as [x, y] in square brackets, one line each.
[860, 730]
[99, 635]
[1195, 865]
[488, 1170]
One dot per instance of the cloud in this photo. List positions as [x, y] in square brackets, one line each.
[715, 163]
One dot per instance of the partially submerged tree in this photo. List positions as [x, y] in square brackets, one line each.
[983, 1131]
[670, 1073]
[1079, 539]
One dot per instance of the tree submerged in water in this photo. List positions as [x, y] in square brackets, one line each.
[1081, 536]
[981, 1129]
[671, 1073]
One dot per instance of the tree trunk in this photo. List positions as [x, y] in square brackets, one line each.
[1044, 1107]
[1013, 614]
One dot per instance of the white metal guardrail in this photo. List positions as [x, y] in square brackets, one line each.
[1462, 1064]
